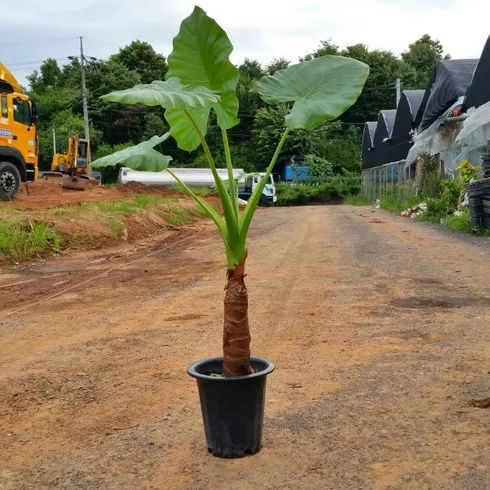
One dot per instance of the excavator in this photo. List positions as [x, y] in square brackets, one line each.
[73, 166]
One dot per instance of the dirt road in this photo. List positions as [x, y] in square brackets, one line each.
[379, 328]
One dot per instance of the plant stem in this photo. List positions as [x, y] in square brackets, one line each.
[251, 206]
[234, 253]
[229, 166]
[236, 330]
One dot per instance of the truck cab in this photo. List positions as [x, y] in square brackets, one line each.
[18, 138]
[247, 187]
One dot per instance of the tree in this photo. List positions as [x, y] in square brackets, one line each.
[49, 76]
[277, 64]
[422, 55]
[268, 126]
[326, 47]
[338, 143]
[251, 69]
[332, 141]
[140, 57]
[119, 124]
[153, 125]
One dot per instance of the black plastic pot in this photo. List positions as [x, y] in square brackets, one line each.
[232, 408]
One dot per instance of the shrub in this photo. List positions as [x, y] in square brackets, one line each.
[332, 190]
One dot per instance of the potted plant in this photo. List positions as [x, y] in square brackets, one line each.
[201, 78]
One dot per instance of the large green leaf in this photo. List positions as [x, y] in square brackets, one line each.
[169, 94]
[140, 157]
[322, 89]
[181, 128]
[200, 58]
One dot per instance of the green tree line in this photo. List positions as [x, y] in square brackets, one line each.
[57, 89]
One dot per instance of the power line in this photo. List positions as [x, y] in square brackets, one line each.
[33, 62]
[18, 43]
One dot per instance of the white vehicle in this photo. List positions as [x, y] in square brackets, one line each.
[202, 177]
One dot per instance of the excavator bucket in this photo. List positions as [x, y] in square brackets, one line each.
[75, 182]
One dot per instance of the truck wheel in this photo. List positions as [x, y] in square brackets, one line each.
[9, 181]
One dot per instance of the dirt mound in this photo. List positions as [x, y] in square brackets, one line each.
[49, 194]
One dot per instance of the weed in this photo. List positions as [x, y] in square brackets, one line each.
[83, 239]
[392, 203]
[358, 200]
[176, 215]
[202, 191]
[458, 223]
[144, 201]
[20, 239]
[70, 212]
[116, 226]
[436, 211]
[122, 207]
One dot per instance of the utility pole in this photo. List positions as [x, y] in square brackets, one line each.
[398, 91]
[84, 91]
[54, 141]
[83, 60]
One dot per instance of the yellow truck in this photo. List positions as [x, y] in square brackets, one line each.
[19, 145]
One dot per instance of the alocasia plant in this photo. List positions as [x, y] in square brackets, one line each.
[201, 78]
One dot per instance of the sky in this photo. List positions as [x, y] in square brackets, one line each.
[258, 29]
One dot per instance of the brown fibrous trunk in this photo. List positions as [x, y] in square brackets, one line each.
[236, 333]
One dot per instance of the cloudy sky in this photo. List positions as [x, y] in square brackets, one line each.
[263, 29]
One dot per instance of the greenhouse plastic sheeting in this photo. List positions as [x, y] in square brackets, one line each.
[430, 141]
[468, 145]
[476, 129]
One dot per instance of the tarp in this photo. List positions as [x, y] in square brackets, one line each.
[387, 149]
[367, 152]
[384, 128]
[450, 80]
[386, 120]
[479, 91]
[396, 148]
[406, 112]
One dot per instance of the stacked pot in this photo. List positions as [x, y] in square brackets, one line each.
[486, 163]
[478, 192]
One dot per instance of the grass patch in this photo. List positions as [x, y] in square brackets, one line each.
[121, 207]
[21, 239]
[358, 200]
[116, 226]
[84, 239]
[397, 204]
[202, 191]
[144, 201]
[459, 223]
[436, 211]
[70, 212]
[176, 215]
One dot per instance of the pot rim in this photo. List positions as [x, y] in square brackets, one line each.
[192, 370]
